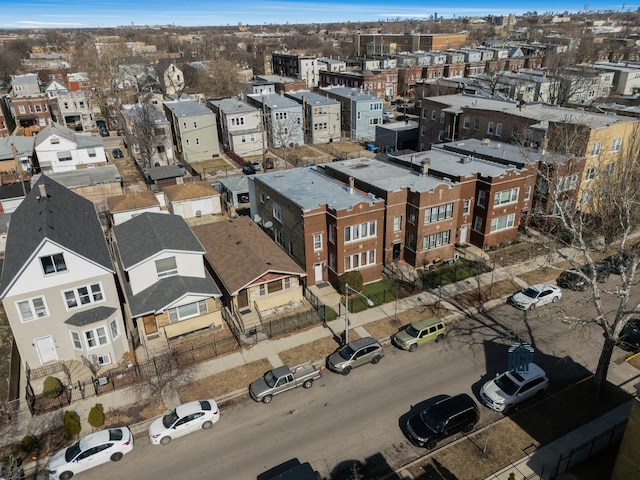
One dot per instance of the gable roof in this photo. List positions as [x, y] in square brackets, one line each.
[240, 252]
[149, 233]
[132, 201]
[51, 211]
[81, 140]
[189, 191]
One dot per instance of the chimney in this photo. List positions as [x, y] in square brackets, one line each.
[42, 190]
[351, 184]
[424, 166]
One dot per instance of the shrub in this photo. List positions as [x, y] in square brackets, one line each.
[96, 416]
[53, 387]
[71, 424]
[29, 444]
[353, 279]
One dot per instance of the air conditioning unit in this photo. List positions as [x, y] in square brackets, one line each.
[93, 358]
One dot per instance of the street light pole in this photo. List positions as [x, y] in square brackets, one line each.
[346, 309]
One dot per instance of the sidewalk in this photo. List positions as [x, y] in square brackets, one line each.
[623, 375]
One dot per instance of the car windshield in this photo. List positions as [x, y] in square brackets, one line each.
[530, 292]
[412, 331]
[506, 384]
[115, 434]
[433, 418]
[270, 379]
[72, 452]
[169, 419]
[346, 352]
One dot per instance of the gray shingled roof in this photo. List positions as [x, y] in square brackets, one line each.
[165, 171]
[61, 216]
[160, 295]
[150, 233]
[93, 315]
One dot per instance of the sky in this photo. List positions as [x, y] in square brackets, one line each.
[112, 13]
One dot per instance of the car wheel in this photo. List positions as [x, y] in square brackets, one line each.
[206, 425]
[532, 306]
[413, 347]
[116, 457]
[439, 338]
[346, 370]
[375, 359]
[267, 399]
[165, 440]
[554, 299]
[307, 383]
[66, 475]
[468, 428]
[431, 444]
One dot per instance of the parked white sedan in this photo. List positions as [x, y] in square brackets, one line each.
[535, 296]
[90, 451]
[184, 419]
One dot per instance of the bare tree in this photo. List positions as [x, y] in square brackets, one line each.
[602, 223]
[163, 372]
[144, 131]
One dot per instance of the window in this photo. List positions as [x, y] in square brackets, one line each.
[32, 309]
[189, 310]
[96, 337]
[436, 240]
[113, 328]
[195, 124]
[466, 123]
[506, 196]
[466, 206]
[441, 212]
[332, 234]
[433, 115]
[478, 224]
[184, 125]
[490, 128]
[527, 192]
[279, 237]
[476, 124]
[277, 212]
[362, 259]
[514, 132]
[616, 145]
[197, 141]
[104, 359]
[443, 117]
[397, 223]
[21, 109]
[166, 267]
[566, 183]
[53, 263]
[498, 130]
[362, 231]
[85, 295]
[332, 261]
[591, 173]
[565, 206]
[502, 223]
[597, 149]
[482, 198]
[236, 122]
[317, 241]
[75, 340]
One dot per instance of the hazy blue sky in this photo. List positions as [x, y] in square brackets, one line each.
[109, 13]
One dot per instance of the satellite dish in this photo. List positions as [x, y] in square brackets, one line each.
[268, 224]
[257, 218]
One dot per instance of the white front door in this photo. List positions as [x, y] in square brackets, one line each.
[463, 234]
[46, 349]
[317, 270]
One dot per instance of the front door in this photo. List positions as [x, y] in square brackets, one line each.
[396, 251]
[317, 271]
[463, 235]
[46, 349]
[243, 299]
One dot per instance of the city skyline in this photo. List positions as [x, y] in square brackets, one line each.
[114, 13]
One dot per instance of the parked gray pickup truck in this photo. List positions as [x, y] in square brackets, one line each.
[282, 379]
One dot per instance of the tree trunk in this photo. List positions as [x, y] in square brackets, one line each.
[603, 366]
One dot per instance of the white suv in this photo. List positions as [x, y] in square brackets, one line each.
[510, 388]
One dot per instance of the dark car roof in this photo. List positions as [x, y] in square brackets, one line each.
[455, 404]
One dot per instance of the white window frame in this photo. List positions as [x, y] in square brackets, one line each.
[482, 198]
[359, 260]
[509, 221]
[596, 149]
[35, 311]
[466, 206]
[490, 128]
[114, 329]
[93, 296]
[478, 224]
[57, 267]
[466, 123]
[167, 272]
[277, 212]
[527, 192]
[97, 335]
[195, 309]
[591, 173]
[104, 359]
[76, 341]
[616, 145]
[355, 233]
[436, 240]
[498, 129]
[438, 213]
[332, 234]
[317, 242]
[397, 223]
[567, 183]
[506, 197]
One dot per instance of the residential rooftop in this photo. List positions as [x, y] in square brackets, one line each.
[232, 105]
[312, 98]
[353, 93]
[187, 108]
[310, 189]
[273, 100]
[502, 152]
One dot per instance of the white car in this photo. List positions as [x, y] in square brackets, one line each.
[257, 166]
[535, 295]
[184, 419]
[90, 451]
[510, 388]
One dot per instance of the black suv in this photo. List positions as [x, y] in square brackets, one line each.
[573, 280]
[630, 335]
[451, 415]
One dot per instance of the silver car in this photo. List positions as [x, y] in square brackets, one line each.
[510, 388]
[354, 354]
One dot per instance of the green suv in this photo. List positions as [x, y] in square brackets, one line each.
[417, 333]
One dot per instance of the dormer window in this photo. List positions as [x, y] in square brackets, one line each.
[54, 140]
[53, 263]
[166, 267]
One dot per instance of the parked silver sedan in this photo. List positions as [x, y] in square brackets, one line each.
[535, 296]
